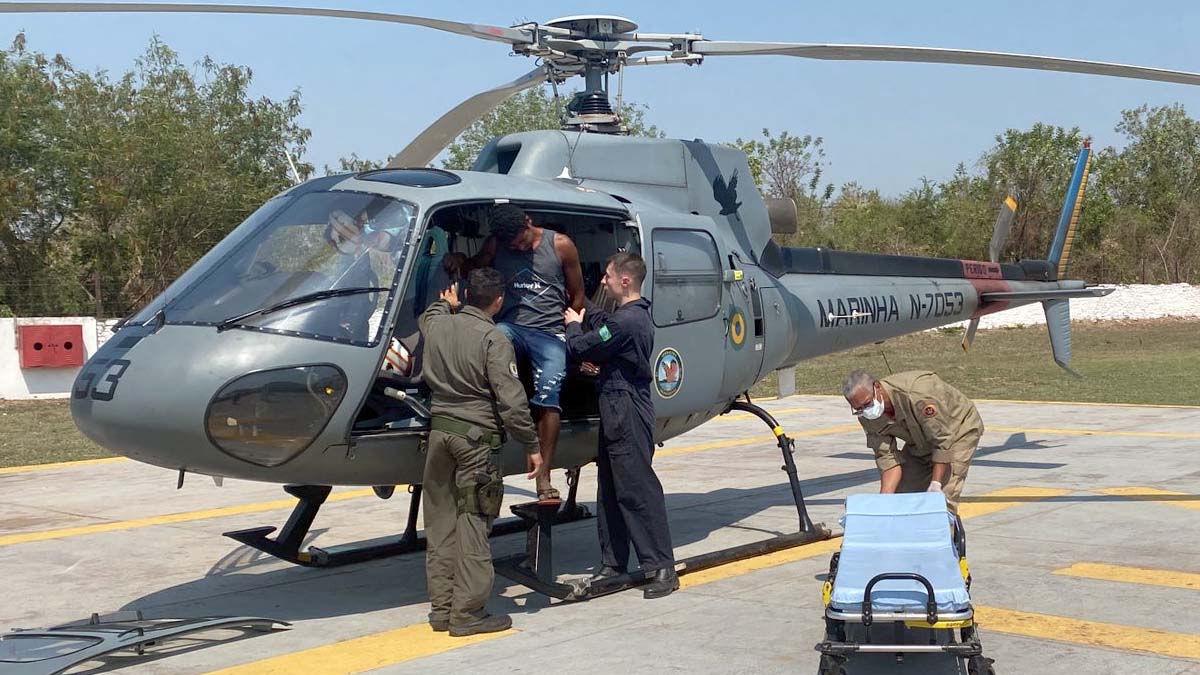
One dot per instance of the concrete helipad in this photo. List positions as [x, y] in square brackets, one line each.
[1083, 525]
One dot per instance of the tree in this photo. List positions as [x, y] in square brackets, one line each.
[1035, 167]
[1153, 181]
[530, 110]
[121, 184]
[35, 199]
[354, 164]
[790, 166]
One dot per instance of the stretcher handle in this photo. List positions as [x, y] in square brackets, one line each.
[930, 605]
[960, 537]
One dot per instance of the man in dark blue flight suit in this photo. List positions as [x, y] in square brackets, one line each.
[630, 497]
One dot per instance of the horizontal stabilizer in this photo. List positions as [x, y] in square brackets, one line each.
[1060, 294]
[1058, 322]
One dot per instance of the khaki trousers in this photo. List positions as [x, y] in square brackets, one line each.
[917, 471]
[458, 560]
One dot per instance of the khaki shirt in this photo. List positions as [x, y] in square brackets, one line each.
[933, 419]
[471, 369]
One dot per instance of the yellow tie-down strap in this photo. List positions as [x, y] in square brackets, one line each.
[961, 623]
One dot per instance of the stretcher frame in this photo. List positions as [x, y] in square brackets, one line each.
[957, 630]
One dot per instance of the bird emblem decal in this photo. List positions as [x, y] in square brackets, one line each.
[726, 195]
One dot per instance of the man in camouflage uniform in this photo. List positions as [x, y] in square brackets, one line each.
[471, 370]
[940, 428]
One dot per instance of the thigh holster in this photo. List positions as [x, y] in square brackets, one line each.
[484, 495]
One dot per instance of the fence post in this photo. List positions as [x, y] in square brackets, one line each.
[99, 300]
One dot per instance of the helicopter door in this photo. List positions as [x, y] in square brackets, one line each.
[686, 301]
[742, 316]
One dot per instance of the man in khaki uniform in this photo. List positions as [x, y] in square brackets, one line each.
[940, 428]
[471, 369]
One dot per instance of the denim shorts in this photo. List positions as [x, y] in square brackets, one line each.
[547, 354]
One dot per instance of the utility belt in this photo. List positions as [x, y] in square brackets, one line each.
[471, 432]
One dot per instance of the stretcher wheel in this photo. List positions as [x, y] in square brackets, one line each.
[830, 666]
[978, 665]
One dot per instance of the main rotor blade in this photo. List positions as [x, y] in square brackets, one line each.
[494, 33]
[1004, 221]
[937, 55]
[427, 145]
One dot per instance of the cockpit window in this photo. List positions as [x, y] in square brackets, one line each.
[320, 241]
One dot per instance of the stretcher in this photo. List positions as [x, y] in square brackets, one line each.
[902, 566]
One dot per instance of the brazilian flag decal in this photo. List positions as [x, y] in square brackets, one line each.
[737, 328]
[605, 333]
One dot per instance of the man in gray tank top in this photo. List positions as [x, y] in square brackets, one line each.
[543, 277]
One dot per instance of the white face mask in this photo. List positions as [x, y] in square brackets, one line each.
[873, 411]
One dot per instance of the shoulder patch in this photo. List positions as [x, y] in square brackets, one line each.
[605, 333]
[512, 368]
[930, 410]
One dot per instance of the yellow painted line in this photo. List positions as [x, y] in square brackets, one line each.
[418, 641]
[996, 501]
[188, 516]
[1089, 633]
[1133, 575]
[763, 562]
[1023, 401]
[1097, 404]
[358, 655]
[738, 417]
[169, 519]
[1183, 500]
[1097, 432]
[751, 440]
[974, 507]
[726, 444]
[60, 465]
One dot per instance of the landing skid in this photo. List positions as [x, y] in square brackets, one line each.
[49, 651]
[534, 568]
[286, 545]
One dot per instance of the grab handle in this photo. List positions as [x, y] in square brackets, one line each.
[930, 606]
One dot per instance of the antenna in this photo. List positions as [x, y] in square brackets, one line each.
[295, 173]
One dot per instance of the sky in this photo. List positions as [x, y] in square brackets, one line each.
[368, 88]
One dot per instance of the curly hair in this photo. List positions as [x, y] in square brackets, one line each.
[506, 222]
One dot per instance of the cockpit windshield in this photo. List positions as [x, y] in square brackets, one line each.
[310, 248]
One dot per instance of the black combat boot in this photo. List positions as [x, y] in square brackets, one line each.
[491, 623]
[663, 583]
[606, 572]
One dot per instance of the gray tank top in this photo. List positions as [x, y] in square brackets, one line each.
[536, 292]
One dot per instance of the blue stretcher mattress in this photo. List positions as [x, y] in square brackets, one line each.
[898, 533]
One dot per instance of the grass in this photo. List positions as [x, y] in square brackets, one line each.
[39, 432]
[1134, 362]
[1137, 362]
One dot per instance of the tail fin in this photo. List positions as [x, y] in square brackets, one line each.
[1058, 311]
[1068, 219]
[1055, 300]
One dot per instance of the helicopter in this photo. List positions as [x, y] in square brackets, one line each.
[292, 328]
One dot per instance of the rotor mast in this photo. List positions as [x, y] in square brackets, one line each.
[597, 45]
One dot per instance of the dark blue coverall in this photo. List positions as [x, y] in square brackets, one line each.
[630, 497]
